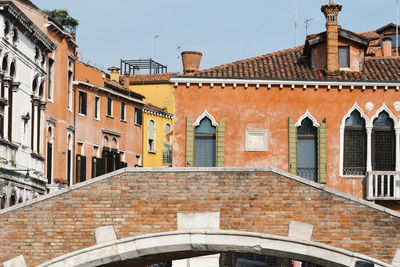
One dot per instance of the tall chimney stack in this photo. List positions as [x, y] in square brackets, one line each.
[331, 12]
[191, 61]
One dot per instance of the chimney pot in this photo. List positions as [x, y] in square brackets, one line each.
[114, 74]
[387, 47]
[191, 61]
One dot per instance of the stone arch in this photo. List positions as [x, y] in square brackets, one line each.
[190, 242]
[4, 64]
[35, 86]
[114, 143]
[307, 115]
[106, 141]
[41, 90]
[13, 69]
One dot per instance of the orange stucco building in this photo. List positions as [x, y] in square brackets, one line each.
[328, 111]
[108, 124]
[59, 128]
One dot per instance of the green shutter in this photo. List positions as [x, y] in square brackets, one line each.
[322, 153]
[292, 147]
[189, 143]
[220, 156]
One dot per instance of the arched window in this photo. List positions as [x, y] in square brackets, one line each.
[114, 143]
[383, 143]
[49, 158]
[167, 154]
[12, 69]
[4, 64]
[15, 35]
[151, 137]
[355, 145]
[3, 202]
[307, 150]
[205, 133]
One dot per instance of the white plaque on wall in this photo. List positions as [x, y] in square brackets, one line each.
[256, 140]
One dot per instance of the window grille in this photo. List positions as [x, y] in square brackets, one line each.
[355, 145]
[383, 143]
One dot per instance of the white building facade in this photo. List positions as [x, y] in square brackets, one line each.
[23, 56]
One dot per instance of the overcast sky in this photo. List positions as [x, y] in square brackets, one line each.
[223, 30]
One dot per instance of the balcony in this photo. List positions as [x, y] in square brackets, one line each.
[383, 185]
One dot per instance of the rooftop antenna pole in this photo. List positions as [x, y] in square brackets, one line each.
[154, 46]
[397, 28]
[295, 22]
[178, 49]
[307, 21]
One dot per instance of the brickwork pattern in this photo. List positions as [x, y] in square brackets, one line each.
[137, 202]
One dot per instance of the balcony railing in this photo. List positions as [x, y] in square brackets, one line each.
[383, 185]
[167, 157]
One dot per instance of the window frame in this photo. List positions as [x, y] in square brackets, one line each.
[151, 147]
[50, 80]
[347, 56]
[109, 107]
[97, 107]
[123, 111]
[82, 95]
[136, 116]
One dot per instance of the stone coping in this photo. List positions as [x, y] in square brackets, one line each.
[211, 241]
[205, 170]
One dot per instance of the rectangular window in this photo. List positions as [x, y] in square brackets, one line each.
[50, 85]
[97, 108]
[109, 106]
[138, 116]
[123, 111]
[344, 56]
[82, 102]
[69, 90]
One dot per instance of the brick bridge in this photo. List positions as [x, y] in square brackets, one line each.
[135, 217]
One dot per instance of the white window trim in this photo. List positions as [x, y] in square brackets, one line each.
[154, 137]
[202, 116]
[124, 119]
[307, 115]
[70, 147]
[51, 126]
[83, 147]
[79, 113]
[98, 151]
[51, 77]
[108, 141]
[112, 107]
[98, 108]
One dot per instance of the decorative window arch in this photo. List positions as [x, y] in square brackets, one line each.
[309, 116]
[4, 64]
[13, 69]
[383, 143]
[106, 141]
[205, 143]
[35, 85]
[7, 27]
[205, 114]
[114, 143]
[307, 145]
[151, 136]
[388, 111]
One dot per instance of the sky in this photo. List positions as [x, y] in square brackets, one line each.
[223, 30]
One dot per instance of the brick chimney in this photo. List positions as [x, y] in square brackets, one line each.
[331, 12]
[191, 61]
[114, 74]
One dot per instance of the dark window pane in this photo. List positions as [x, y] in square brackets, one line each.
[123, 111]
[109, 106]
[205, 127]
[383, 150]
[355, 119]
[383, 120]
[355, 146]
[307, 128]
[138, 116]
[344, 56]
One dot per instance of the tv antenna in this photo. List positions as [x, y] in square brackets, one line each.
[178, 50]
[295, 22]
[307, 21]
[154, 46]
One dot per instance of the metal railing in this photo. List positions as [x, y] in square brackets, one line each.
[383, 185]
[167, 156]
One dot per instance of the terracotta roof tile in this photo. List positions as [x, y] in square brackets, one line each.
[290, 64]
[149, 78]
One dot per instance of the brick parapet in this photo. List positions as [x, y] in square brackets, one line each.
[140, 201]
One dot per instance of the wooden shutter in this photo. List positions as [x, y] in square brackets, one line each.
[83, 168]
[189, 143]
[322, 142]
[78, 168]
[100, 167]
[220, 157]
[94, 163]
[292, 144]
[118, 164]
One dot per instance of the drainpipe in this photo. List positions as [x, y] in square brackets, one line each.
[73, 174]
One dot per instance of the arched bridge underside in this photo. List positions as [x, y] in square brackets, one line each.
[137, 217]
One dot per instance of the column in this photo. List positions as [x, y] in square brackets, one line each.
[397, 131]
[41, 127]
[35, 103]
[7, 109]
[369, 148]
[14, 87]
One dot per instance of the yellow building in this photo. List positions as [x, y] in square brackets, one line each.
[158, 113]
